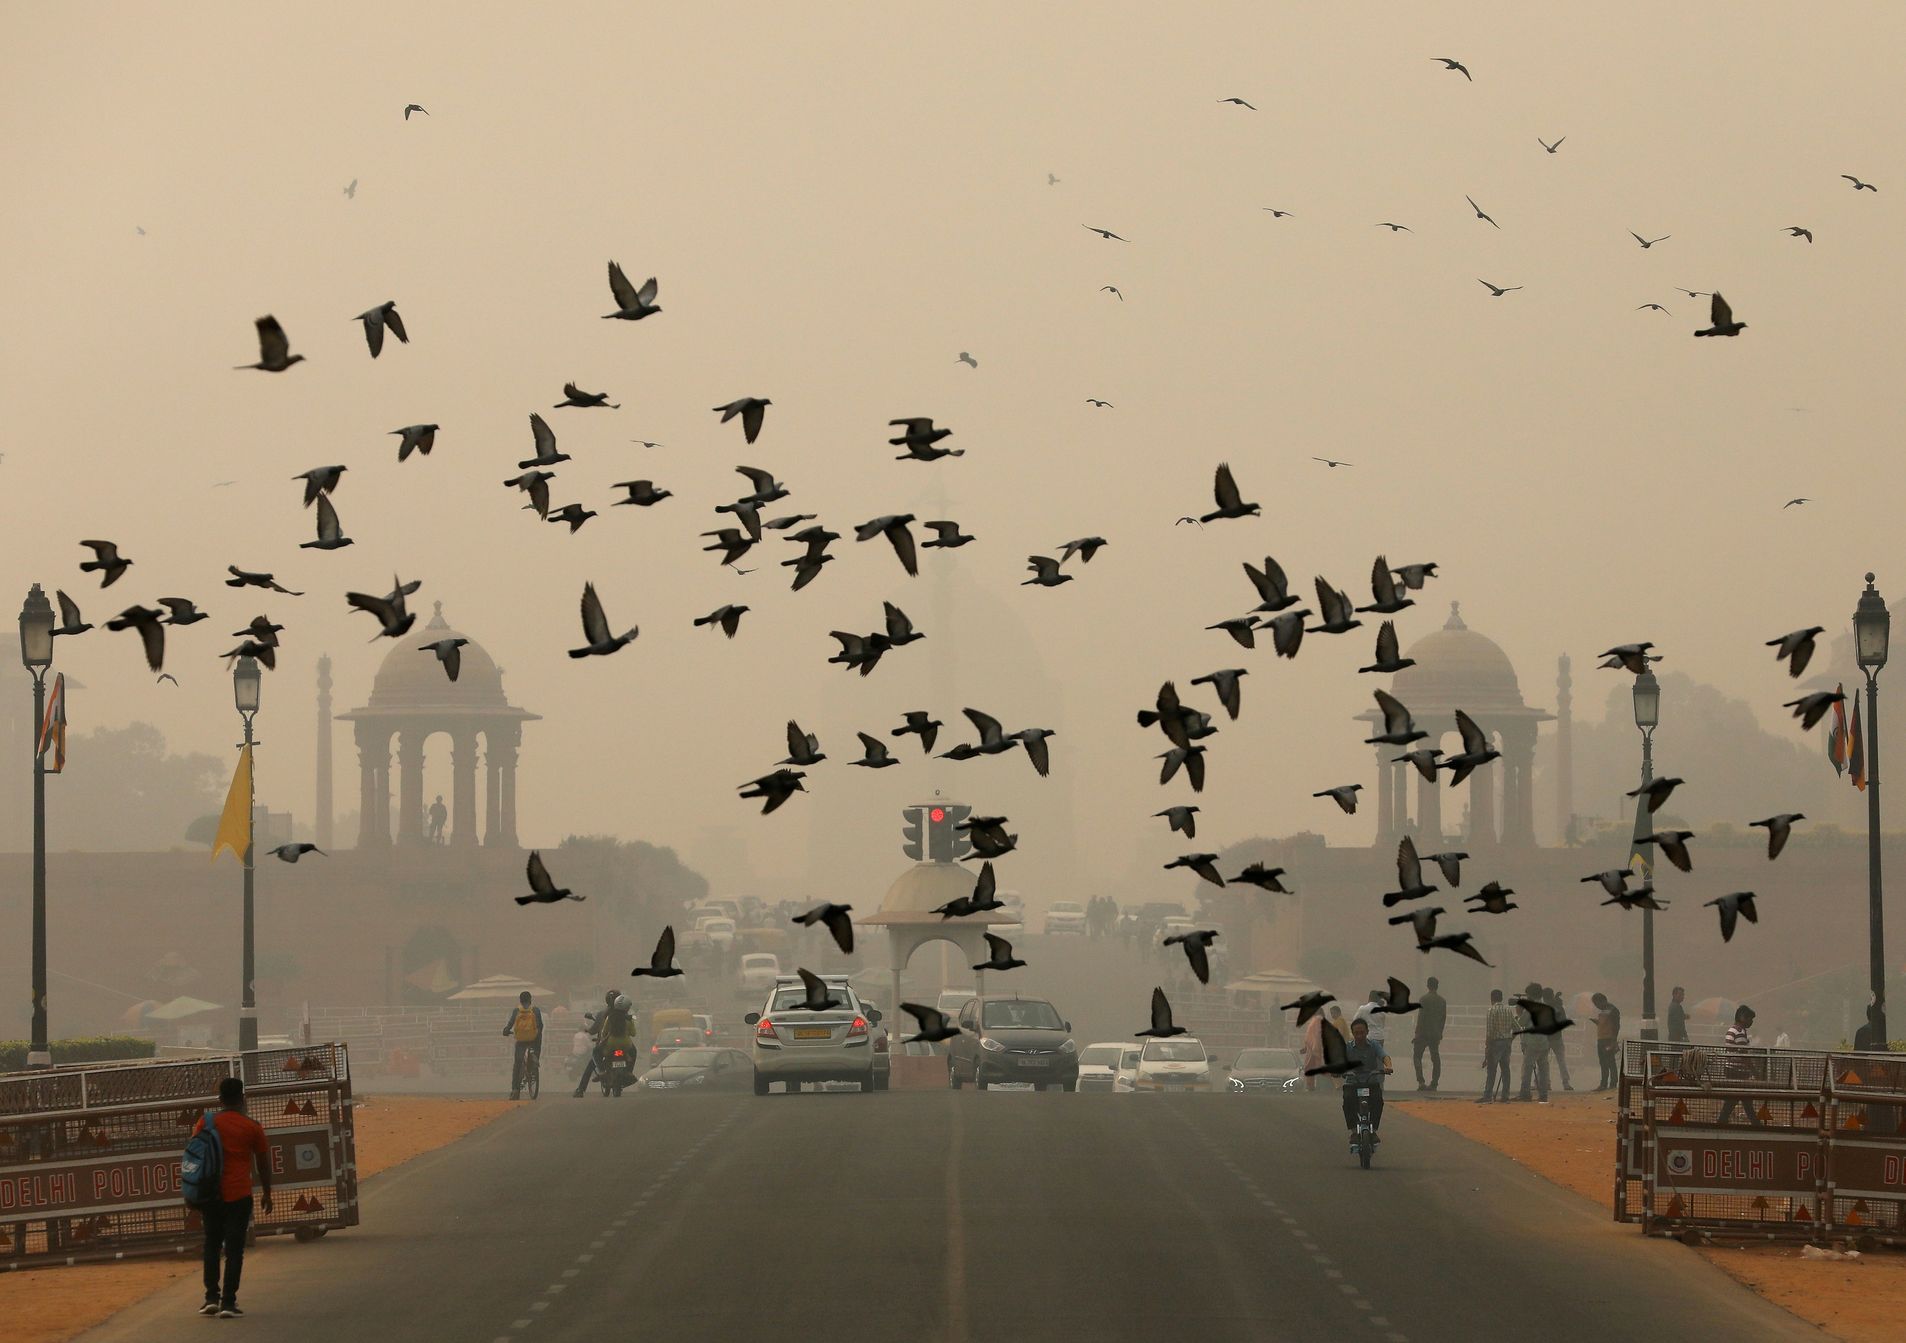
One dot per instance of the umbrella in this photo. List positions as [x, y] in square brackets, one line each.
[133, 1015]
[1712, 1009]
[499, 987]
[180, 1008]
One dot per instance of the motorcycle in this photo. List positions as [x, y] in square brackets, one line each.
[616, 1071]
[1363, 1140]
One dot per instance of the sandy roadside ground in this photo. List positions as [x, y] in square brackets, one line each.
[1572, 1143]
[52, 1305]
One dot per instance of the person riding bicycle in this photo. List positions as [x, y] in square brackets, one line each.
[526, 1027]
[1368, 1072]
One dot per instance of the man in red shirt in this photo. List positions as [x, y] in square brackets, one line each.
[227, 1221]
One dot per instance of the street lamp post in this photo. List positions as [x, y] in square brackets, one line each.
[36, 653]
[1647, 715]
[1872, 626]
[245, 683]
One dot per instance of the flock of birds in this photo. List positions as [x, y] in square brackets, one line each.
[1186, 729]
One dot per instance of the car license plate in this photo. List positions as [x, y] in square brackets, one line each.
[1035, 1063]
[814, 1033]
[1363, 1091]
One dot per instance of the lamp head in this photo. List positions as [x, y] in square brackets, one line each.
[36, 631]
[1647, 701]
[245, 682]
[1872, 627]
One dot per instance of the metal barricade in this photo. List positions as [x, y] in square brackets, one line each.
[89, 1155]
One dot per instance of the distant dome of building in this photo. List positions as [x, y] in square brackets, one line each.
[926, 886]
[1457, 668]
[411, 678]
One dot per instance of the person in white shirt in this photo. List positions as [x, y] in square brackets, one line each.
[1739, 1036]
[1374, 1015]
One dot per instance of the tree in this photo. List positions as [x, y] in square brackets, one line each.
[123, 791]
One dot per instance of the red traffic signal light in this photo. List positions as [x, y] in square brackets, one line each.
[937, 815]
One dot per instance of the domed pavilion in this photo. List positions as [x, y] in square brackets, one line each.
[411, 700]
[1457, 668]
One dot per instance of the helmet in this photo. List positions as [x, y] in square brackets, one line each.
[610, 997]
[622, 1001]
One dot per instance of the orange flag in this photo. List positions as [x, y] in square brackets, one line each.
[1856, 749]
[1836, 735]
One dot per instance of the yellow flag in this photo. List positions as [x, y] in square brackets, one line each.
[234, 826]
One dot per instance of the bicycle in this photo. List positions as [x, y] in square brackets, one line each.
[533, 1073]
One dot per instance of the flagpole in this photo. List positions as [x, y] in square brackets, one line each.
[40, 1053]
[1649, 1031]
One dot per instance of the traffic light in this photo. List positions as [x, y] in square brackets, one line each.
[914, 834]
[959, 845]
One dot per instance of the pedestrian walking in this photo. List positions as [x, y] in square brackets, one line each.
[1535, 1054]
[525, 1026]
[1558, 1044]
[1678, 1016]
[1313, 1050]
[242, 1140]
[1499, 1025]
[1432, 1015]
[1607, 1040]
[1739, 1067]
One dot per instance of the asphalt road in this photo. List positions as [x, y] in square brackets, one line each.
[962, 1217]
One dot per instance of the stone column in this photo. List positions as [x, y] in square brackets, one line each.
[373, 758]
[1398, 782]
[492, 792]
[410, 802]
[463, 765]
[1387, 822]
[1482, 806]
[1518, 818]
[506, 768]
[1429, 811]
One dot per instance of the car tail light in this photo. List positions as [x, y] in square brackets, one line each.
[764, 1027]
[859, 1027]
[653, 1049]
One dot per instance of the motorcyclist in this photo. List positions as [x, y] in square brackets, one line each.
[595, 1020]
[1370, 1067]
[618, 1032]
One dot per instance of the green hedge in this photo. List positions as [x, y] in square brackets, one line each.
[86, 1049]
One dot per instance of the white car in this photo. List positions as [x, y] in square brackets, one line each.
[1125, 1078]
[1065, 916]
[759, 971]
[1173, 927]
[951, 1001]
[1177, 1064]
[1098, 1064]
[794, 1045]
[719, 931]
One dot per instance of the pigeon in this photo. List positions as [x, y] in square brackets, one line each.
[863, 651]
[1397, 1001]
[1425, 758]
[934, 1025]
[1191, 758]
[988, 836]
[1642, 897]
[806, 567]
[894, 527]
[1241, 628]
[1646, 243]
[1413, 576]
[264, 653]
[1273, 588]
[273, 348]
[1276, 213]
[775, 788]
[420, 438]
[1102, 405]
[1480, 215]
[1204, 864]
[967, 359]
[1640, 307]
[1795, 231]
[1544, 1018]
[642, 493]
[1693, 293]
[919, 723]
[804, 748]
[106, 560]
[266, 633]
[1394, 228]
[1399, 729]
[1287, 631]
[835, 919]
[1239, 101]
[1225, 685]
[1045, 571]
[1550, 147]
[1492, 899]
[151, 632]
[1497, 290]
[291, 853]
[1161, 1027]
[598, 640]
[999, 954]
[1262, 877]
[330, 533]
[731, 542]
[1809, 709]
[1225, 492]
[1171, 717]
[1778, 829]
[1085, 548]
[350, 192]
[1858, 185]
[1387, 659]
[581, 400]
[1336, 608]
[1422, 921]
[413, 107]
[1451, 865]
[375, 320]
[874, 753]
[1458, 943]
[389, 610]
[631, 304]
[1345, 796]
[645, 443]
[1614, 880]
[1113, 290]
[181, 611]
[536, 485]
[545, 439]
[817, 998]
[1387, 595]
[1796, 648]
[751, 409]
[919, 437]
[791, 520]
[1734, 908]
[1657, 792]
[1409, 875]
[662, 962]
[1308, 1005]
[241, 578]
[1182, 820]
[946, 536]
[1476, 750]
[1034, 740]
[985, 893]
[1331, 462]
[1449, 64]
[1630, 657]
[573, 514]
[1674, 843]
[319, 480]
[728, 617]
[1337, 1060]
[1721, 319]
[71, 622]
[900, 630]
[1197, 945]
[449, 653]
[543, 891]
[1107, 234]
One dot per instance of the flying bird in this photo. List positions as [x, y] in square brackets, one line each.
[1791, 502]
[1273, 588]
[1721, 319]
[835, 918]
[389, 610]
[1424, 758]
[1197, 945]
[151, 629]
[1182, 820]
[1456, 942]
[1104, 233]
[894, 527]
[375, 320]
[1225, 685]
[1399, 729]
[350, 192]
[1085, 548]
[662, 961]
[1480, 215]
[413, 107]
[1422, 921]
[543, 891]
[1387, 595]
[999, 954]
[1735, 907]
[1550, 147]
[241, 578]
[1409, 875]
[71, 622]
[642, 493]
[1795, 231]
[918, 723]
[573, 514]
[1308, 1005]
[804, 748]
[1337, 610]
[330, 532]
[575, 396]
[598, 640]
[946, 536]
[1161, 1027]
[536, 485]
[1204, 864]
[1544, 1018]
[918, 437]
[874, 753]
[1674, 843]
[1239, 101]
[1614, 880]
[545, 440]
[1397, 1001]
[817, 998]
[1476, 750]
[1113, 290]
[1646, 243]
[728, 617]
[1449, 64]
[1045, 572]
[1450, 864]
[967, 359]
[1102, 405]
[1693, 293]
[1656, 306]
[1387, 659]
[449, 653]
[1396, 228]
[935, 1025]
[988, 836]
[1492, 899]
[1631, 657]
[1262, 877]
[416, 438]
[1034, 740]
[1498, 290]
[106, 561]
[1344, 796]
[1241, 628]
[1190, 758]
[1810, 708]
[1642, 897]
[751, 409]
[775, 788]
[1779, 828]
[291, 853]
[1287, 631]
[1796, 648]
[273, 347]
[1276, 213]
[1858, 185]
[631, 304]
[1413, 576]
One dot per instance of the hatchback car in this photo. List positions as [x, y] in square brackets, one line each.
[1177, 1064]
[1262, 1071]
[702, 1069]
[1065, 916]
[793, 1044]
[759, 970]
[671, 1038]
[1098, 1065]
[1005, 1038]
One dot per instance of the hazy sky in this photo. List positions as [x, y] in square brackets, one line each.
[839, 198]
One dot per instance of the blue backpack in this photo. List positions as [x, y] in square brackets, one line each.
[202, 1166]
